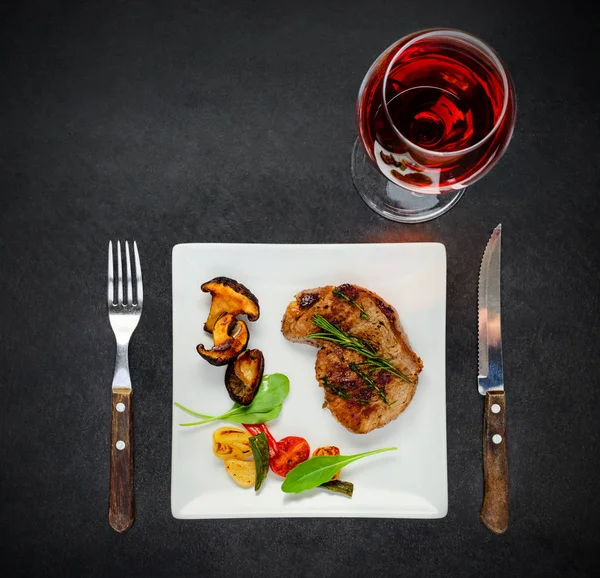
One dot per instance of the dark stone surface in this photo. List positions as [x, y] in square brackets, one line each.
[200, 121]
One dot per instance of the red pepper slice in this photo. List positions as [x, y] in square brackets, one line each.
[291, 451]
[257, 428]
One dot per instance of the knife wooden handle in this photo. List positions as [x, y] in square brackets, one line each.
[494, 512]
[120, 505]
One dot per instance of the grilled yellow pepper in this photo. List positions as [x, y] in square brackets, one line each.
[242, 472]
[230, 443]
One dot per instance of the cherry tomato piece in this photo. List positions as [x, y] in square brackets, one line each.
[291, 451]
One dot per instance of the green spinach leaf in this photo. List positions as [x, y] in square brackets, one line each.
[265, 406]
[319, 470]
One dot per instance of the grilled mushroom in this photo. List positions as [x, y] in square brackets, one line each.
[243, 376]
[230, 337]
[229, 296]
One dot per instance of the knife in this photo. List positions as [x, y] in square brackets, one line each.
[494, 512]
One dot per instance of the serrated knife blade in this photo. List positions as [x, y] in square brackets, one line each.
[491, 373]
[490, 383]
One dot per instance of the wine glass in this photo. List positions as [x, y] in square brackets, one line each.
[435, 112]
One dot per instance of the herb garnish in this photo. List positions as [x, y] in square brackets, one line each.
[334, 334]
[340, 393]
[369, 381]
[337, 293]
[265, 406]
[319, 470]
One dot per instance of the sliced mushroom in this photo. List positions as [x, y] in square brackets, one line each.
[229, 296]
[230, 338]
[243, 376]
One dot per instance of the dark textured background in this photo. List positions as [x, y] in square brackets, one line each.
[226, 121]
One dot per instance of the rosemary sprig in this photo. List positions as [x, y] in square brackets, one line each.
[370, 383]
[337, 293]
[334, 334]
[340, 393]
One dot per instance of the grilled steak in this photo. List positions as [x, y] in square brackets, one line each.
[361, 397]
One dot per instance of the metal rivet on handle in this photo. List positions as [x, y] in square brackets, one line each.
[121, 407]
[497, 438]
[495, 408]
[120, 445]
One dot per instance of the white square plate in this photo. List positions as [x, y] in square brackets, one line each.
[408, 483]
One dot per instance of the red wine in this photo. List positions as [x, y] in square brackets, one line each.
[435, 112]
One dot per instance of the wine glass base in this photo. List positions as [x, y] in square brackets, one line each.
[394, 202]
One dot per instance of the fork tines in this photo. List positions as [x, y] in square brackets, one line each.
[139, 296]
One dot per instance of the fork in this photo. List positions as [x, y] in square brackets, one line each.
[124, 316]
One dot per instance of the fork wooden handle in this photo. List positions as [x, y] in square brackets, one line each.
[494, 512]
[120, 506]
